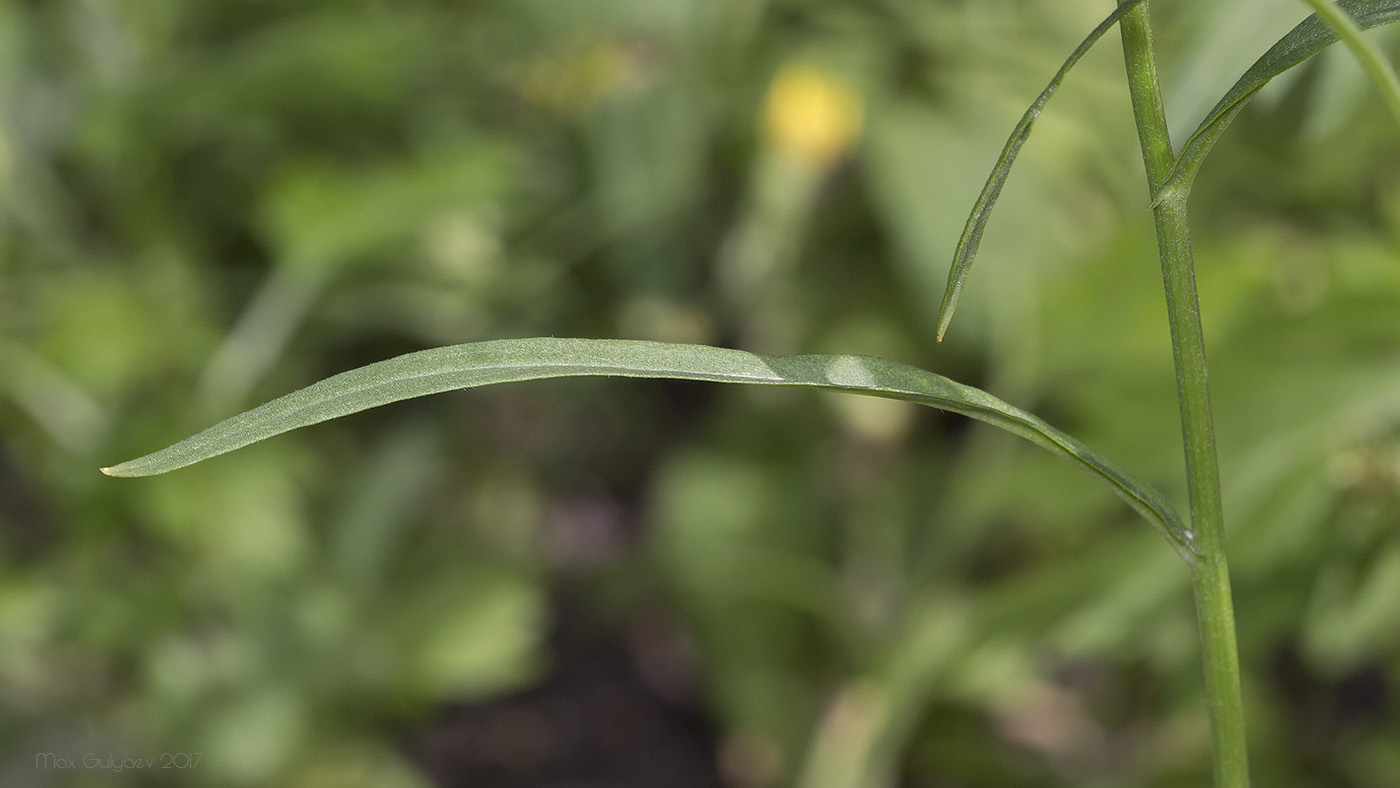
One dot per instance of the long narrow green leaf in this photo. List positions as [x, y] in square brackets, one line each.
[1311, 36]
[982, 209]
[503, 361]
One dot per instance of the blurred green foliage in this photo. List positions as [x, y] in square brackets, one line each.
[204, 205]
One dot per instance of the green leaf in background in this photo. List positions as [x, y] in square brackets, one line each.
[1310, 37]
[982, 210]
[512, 360]
[1366, 54]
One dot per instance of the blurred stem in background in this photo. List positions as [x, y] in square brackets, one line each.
[868, 723]
[811, 120]
[259, 336]
[66, 411]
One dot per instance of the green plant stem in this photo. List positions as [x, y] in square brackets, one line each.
[1210, 573]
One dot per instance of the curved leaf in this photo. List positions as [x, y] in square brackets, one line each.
[982, 209]
[503, 361]
[1311, 36]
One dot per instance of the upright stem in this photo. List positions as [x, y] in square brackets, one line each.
[1210, 574]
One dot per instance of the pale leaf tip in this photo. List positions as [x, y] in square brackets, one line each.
[110, 471]
[945, 319]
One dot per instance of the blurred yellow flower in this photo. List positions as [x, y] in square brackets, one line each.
[812, 114]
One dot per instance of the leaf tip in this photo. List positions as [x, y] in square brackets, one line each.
[121, 470]
[945, 319]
